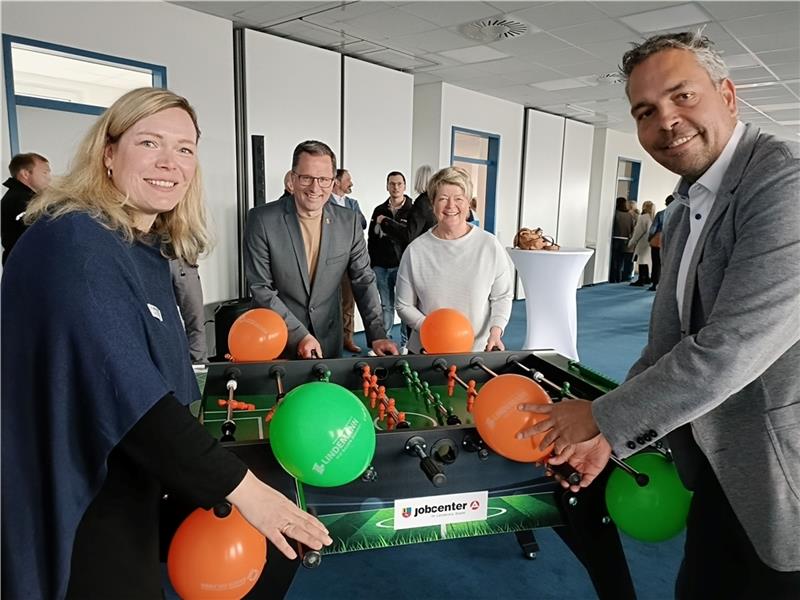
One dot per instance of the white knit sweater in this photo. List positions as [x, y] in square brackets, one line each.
[472, 274]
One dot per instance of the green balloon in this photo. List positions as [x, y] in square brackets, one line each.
[655, 512]
[322, 434]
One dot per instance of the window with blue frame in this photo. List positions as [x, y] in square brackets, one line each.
[54, 77]
[477, 152]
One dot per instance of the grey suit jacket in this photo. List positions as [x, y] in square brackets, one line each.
[277, 273]
[725, 379]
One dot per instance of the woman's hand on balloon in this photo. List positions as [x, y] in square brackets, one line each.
[567, 422]
[275, 516]
[307, 346]
[589, 458]
[494, 342]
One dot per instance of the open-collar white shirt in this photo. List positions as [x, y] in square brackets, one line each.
[699, 197]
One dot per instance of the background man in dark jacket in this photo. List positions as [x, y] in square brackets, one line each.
[30, 174]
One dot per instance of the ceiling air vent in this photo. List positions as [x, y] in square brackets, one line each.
[614, 78]
[493, 29]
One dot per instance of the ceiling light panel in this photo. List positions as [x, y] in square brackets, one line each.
[561, 84]
[474, 54]
[667, 18]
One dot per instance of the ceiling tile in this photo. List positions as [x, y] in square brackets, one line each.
[737, 61]
[779, 57]
[308, 32]
[560, 14]
[566, 56]
[446, 14]
[507, 7]
[435, 41]
[458, 73]
[345, 11]
[770, 23]
[398, 60]
[683, 15]
[787, 71]
[474, 54]
[267, 13]
[599, 31]
[750, 75]
[724, 11]
[387, 23]
[775, 41]
[532, 43]
[592, 67]
[619, 9]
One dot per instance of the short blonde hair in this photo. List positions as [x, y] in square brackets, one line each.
[450, 176]
[88, 188]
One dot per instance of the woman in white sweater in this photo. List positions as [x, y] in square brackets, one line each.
[456, 266]
[640, 245]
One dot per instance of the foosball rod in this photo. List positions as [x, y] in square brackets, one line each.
[228, 427]
[427, 396]
[641, 478]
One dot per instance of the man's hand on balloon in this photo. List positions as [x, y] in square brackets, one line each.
[589, 458]
[494, 342]
[384, 348]
[308, 345]
[567, 422]
[275, 516]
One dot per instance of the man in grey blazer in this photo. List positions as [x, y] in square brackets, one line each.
[296, 251]
[720, 375]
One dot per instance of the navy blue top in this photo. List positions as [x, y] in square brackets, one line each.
[91, 340]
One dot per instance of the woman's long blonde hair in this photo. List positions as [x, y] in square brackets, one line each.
[88, 188]
[648, 207]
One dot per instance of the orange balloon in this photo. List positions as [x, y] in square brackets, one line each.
[259, 334]
[446, 331]
[215, 558]
[499, 421]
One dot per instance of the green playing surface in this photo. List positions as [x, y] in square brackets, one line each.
[250, 425]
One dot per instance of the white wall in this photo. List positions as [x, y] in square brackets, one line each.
[284, 111]
[427, 126]
[197, 51]
[472, 110]
[575, 173]
[655, 184]
[378, 117]
[378, 121]
[36, 127]
[544, 146]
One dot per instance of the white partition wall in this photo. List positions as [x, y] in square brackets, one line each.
[293, 94]
[378, 115]
[378, 107]
[544, 147]
[197, 52]
[576, 167]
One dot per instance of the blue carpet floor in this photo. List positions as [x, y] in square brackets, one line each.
[612, 329]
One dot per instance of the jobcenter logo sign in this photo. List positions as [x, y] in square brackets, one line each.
[438, 510]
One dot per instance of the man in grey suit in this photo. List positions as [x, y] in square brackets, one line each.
[342, 186]
[296, 251]
[720, 375]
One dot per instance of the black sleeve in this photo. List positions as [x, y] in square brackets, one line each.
[173, 446]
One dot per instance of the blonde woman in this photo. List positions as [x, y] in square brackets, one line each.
[96, 373]
[454, 265]
[640, 245]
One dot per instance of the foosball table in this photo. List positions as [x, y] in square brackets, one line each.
[427, 450]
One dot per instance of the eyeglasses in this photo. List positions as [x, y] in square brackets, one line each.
[307, 180]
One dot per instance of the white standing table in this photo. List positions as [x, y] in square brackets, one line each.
[550, 280]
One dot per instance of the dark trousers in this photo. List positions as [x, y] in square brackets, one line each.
[655, 253]
[618, 251]
[719, 561]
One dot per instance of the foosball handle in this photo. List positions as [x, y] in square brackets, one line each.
[311, 558]
[566, 472]
[440, 364]
[228, 429]
[416, 447]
